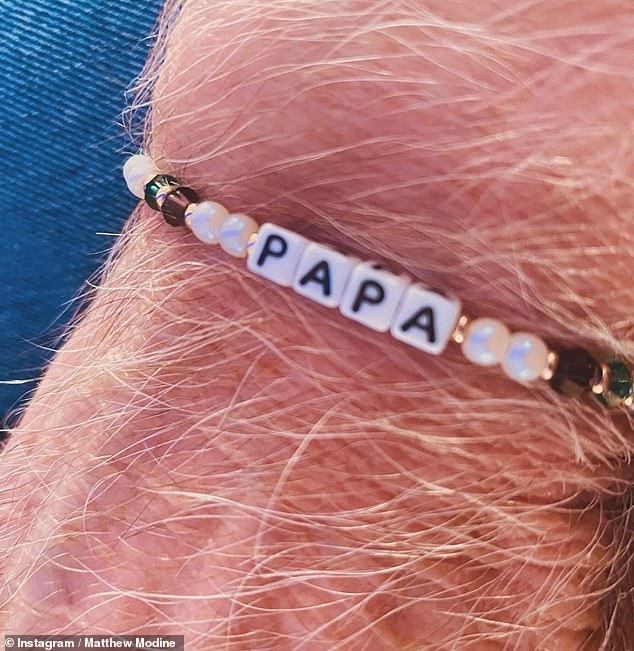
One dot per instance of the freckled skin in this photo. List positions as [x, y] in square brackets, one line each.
[215, 456]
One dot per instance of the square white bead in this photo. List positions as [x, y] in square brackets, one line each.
[426, 319]
[372, 296]
[322, 274]
[276, 254]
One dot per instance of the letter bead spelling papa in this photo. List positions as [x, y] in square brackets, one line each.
[276, 254]
[323, 273]
[426, 319]
[371, 295]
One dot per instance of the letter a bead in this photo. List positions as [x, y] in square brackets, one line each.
[372, 296]
[322, 274]
[276, 254]
[425, 319]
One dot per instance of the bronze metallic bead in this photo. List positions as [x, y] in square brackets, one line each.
[175, 204]
[552, 361]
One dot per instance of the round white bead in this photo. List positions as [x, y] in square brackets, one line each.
[234, 233]
[525, 358]
[485, 341]
[205, 219]
[136, 171]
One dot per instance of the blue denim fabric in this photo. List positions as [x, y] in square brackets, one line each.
[64, 67]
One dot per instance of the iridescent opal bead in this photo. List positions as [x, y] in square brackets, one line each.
[485, 341]
[234, 232]
[205, 219]
[525, 357]
[137, 170]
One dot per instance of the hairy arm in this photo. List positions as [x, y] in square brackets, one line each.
[214, 456]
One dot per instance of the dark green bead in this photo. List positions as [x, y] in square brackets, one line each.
[160, 181]
[620, 386]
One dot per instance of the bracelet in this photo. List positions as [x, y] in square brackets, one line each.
[369, 294]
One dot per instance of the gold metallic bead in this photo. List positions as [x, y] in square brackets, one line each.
[602, 380]
[253, 238]
[459, 332]
[551, 365]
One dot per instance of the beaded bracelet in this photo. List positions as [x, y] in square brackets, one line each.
[367, 293]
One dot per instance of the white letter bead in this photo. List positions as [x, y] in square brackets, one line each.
[426, 319]
[372, 296]
[322, 274]
[485, 341]
[525, 358]
[276, 254]
[136, 171]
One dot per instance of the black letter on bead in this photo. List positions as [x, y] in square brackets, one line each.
[427, 324]
[320, 273]
[363, 297]
[269, 251]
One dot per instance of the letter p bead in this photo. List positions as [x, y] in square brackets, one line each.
[276, 254]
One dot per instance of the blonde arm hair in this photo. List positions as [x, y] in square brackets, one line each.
[212, 455]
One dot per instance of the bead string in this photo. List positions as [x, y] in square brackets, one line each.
[365, 292]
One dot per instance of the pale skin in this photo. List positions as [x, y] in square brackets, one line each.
[213, 456]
